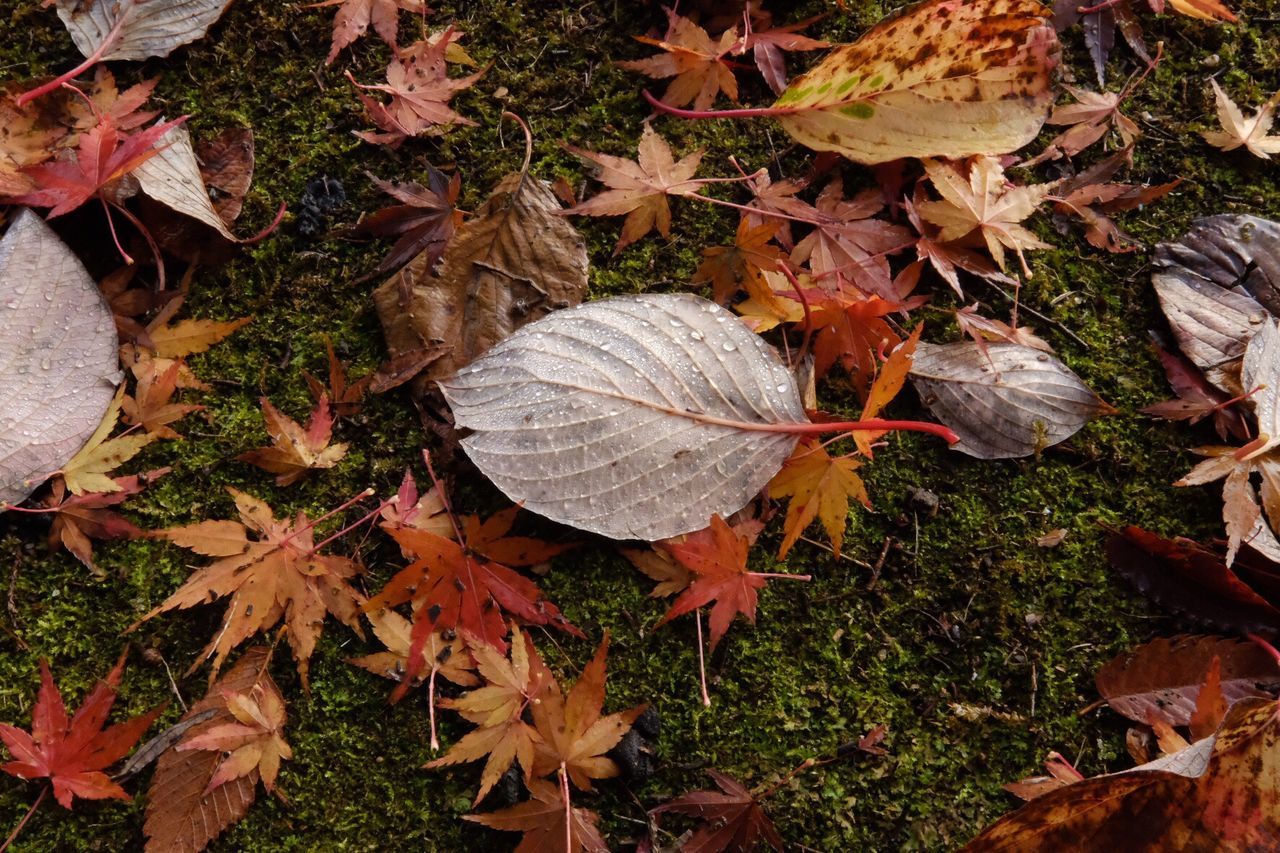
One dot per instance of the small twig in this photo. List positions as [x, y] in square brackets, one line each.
[44, 792]
[1034, 313]
[702, 661]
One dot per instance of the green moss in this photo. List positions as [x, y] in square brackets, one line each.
[967, 609]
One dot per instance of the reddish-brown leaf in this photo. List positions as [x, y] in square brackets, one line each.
[80, 518]
[1197, 398]
[542, 819]
[72, 752]
[425, 220]
[344, 397]
[296, 450]
[731, 819]
[354, 18]
[848, 245]
[694, 59]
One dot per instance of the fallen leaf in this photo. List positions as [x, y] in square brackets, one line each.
[61, 364]
[1231, 802]
[151, 405]
[984, 329]
[424, 222]
[695, 61]
[296, 450]
[89, 470]
[1003, 400]
[543, 821]
[1163, 678]
[639, 188]
[513, 262]
[420, 88]
[1216, 285]
[717, 556]
[1091, 197]
[273, 578]
[1088, 120]
[731, 818]
[448, 657]
[574, 732]
[1061, 774]
[226, 165]
[656, 363]
[1197, 399]
[183, 816]
[933, 81]
[72, 753]
[498, 708]
[172, 178]
[983, 201]
[354, 17]
[252, 745]
[78, 519]
[743, 265]
[417, 512]
[849, 245]
[346, 398]
[137, 29]
[1238, 131]
[767, 43]
[819, 487]
[672, 575]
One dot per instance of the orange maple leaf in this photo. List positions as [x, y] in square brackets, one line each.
[639, 188]
[574, 736]
[276, 577]
[695, 61]
[742, 265]
[72, 752]
[294, 451]
[151, 405]
[820, 486]
[354, 18]
[543, 821]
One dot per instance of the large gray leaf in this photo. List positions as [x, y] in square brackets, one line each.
[1216, 286]
[147, 27]
[1003, 400]
[619, 416]
[58, 364]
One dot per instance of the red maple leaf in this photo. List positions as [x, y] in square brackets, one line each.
[848, 245]
[767, 42]
[732, 818]
[460, 587]
[72, 753]
[718, 558]
[103, 156]
[425, 222]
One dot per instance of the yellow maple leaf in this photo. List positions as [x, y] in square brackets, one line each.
[820, 486]
[87, 471]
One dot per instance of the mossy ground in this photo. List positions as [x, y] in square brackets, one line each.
[967, 609]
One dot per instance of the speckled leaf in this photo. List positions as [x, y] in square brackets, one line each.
[944, 79]
[59, 354]
[149, 28]
[637, 417]
[1003, 400]
[1163, 677]
[1216, 286]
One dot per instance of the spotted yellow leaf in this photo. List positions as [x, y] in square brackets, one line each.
[946, 78]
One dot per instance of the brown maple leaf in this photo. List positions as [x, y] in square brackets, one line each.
[151, 405]
[1089, 119]
[420, 87]
[424, 222]
[345, 398]
[672, 575]
[695, 61]
[253, 742]
[295, 450]
[849, 245]
[742, 265]
[731, 818]
[639, 188]
[947, 259]
[1197, 398]
[355, 17]
[409, 510]
[277, 577]
[1091, 197]
[717, 556]
[72, 752]
[574, 733]
[498, 708]
[546, 827]
[767, 42]
[985, 329]
[978, 199]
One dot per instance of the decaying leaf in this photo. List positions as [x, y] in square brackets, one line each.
[172, 177]
[183, 816]
[511, 263]
[79, 519]
[424, 221]
[1163, 678]
[61, 366]
[1230, 803]
[695, 61]
[355, 17]
[1216, 286]
[252, 745]
[1237, 131]
[637, 417]
[543, 821]
[1003, 400]
[138, 29]
[819, 486]
[943, 79]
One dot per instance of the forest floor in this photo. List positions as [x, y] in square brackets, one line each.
[965, 612]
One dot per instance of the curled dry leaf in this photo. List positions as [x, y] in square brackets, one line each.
[61, 363]
[1237, 131]
[637, 417]
[1163, 678]
[943, 79]
[137, 29]
[1003, 400]
[1216, 285]
[1229, 803]
[183, 816]
[172, 177]
[510, 264]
